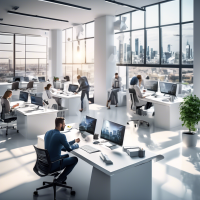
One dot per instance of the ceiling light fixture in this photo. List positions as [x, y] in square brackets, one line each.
[125, 5]
[65, 4]
[36, 16]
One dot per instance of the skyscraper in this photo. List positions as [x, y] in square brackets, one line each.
[169, 48]
[136, 46]
[191, 53]
[148, 51]
[141, 49]
[187, 51]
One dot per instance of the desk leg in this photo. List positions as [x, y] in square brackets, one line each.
[134, 183]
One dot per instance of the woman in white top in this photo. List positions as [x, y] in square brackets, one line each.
[135, 83]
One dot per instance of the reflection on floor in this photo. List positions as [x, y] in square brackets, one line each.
[177, 177]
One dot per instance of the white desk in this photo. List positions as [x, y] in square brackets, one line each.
[127, 177]
[31, 124]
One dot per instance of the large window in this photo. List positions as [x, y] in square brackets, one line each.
[78, 52]
[160, 37]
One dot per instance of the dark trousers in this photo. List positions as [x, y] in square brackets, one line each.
[83, 93]
[148, 105]
[113, 94]
[68, 165]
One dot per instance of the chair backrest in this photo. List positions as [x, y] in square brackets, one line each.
[134, 97]
[15, 85]
[43, 163]
[3, 113]
[30, 85]
[67, 78]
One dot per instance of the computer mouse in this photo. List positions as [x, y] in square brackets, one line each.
[96, 142]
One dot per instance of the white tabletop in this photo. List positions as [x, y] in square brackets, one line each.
[121, 160]
[65, 96]
[5, 83]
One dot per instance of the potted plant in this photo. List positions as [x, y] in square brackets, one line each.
[190, 116]
[55, 79]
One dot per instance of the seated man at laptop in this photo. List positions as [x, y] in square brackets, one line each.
[116, 86]
[55, 142]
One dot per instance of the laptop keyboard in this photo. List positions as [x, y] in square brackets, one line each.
[89, 149]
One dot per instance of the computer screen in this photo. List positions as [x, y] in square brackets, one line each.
[168, 88]
[151, 85]
[88, 124]
[113, 132]
[36, 100]
[23, 96]
[41, 79]
[72, 88]
[26, 79]
[17, 78]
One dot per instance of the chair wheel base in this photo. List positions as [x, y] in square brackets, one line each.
[35, 193]
[73, 193]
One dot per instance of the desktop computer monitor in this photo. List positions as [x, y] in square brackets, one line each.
[72, 88]
[23, 96]
[41, 79]
[168, 88]
[17, 78]
[26, 79]
[113, 132]
[88, 124]
[36, 101]
[151, 85]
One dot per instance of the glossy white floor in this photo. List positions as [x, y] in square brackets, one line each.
[177, 177]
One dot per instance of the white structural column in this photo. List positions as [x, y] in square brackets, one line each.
[103, 69]
[55, 54]
[196, 47]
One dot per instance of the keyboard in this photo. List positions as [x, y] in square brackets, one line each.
[89, 149]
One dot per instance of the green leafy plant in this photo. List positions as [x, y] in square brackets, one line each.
[190, 112]
[55, 78]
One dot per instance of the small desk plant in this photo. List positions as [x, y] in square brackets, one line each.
[190, 116]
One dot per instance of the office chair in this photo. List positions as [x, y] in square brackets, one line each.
[137, 109]
[15, 86]
[6, 120]
[50, 101]
[29, 86]
[42, 168]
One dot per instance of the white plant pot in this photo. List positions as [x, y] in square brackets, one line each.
[190, 140]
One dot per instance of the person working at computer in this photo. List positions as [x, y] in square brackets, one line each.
[55, 142]
[135, 83]
[49, 90]
[116, 86]
[84, 87]
[5, 101]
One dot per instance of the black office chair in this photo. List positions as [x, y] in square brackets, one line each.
[6, 120]
[15, 86]
[137, 109]
[42, 168]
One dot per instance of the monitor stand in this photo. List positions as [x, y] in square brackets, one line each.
[38, 108]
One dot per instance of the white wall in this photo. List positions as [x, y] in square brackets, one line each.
[104, 70]
[55, 54]
[197, 47]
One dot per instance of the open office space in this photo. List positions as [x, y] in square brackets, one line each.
[99, 99]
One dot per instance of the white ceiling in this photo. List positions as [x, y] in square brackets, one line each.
[73, 15]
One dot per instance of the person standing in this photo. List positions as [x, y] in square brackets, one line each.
[84, 87]
[116, 87]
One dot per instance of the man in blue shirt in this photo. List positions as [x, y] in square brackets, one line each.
[84, 87]
[55, 142]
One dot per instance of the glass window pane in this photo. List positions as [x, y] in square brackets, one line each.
[115, 29]
[187, 81]
[78, 32]
[6, 47]
[68, 34]
[152, 16]
[69, 52]
[20, 67]
[137, 19]
[6, 38]
[63, 36]
[170, 45]
[20, 51]
[32, 67]
[122, 74]
[138, 47]
[6, 70]
[68, 71]
[35, 55]
[20, 39]
[63, 68]
[88, 71]
[90, 30]
[79, 51]
[35, 48]
[63, 52]
[77, 70]
[42, 67]
[6, 54]
[187, 10]
[123, 48]
[126, 18]
[187, 44]
[169, 12]
[36, 40]
[152, 49]
[90, 51]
